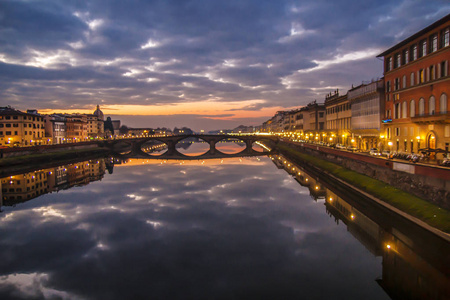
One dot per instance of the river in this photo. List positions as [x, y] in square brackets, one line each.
[232, 228]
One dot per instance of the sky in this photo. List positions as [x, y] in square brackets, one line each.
[205, 64]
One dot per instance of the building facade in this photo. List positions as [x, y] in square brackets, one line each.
[367, 110]
[417, 87]
[338, 118]
[55, 128]
[76, 125]
[18, 128]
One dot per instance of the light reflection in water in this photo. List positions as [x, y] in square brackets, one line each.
[240, 229]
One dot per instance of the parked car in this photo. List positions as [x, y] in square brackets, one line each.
[352, 148]
[386, 153]
[340, 146]
[374, 152]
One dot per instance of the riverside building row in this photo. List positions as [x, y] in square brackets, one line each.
[18, 128]
[405, 111]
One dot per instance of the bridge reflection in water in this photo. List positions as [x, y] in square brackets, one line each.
[132, 148]
[415, 262]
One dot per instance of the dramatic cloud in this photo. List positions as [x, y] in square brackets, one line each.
[56, 55]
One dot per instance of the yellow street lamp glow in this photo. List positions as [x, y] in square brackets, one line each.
[390, 143]
[353, 140]
[388, 246]
[418, 137]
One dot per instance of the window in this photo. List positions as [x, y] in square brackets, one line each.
[443, 104]
[1, 132]
[406, 56]
[389, 64]
[414, 52]
[388, 86]
[404, 82]
[398, 60]
[433, 43]
[421, 76]
[445, 37]
[432, 73]
[432, 105]
[7, 132]
[15, 117]
[412, 108]
[412, 80]
[397, 131]
[8, 125]
[396, 84]
[15, 125]
[404, 110]
[444, 66]
[423, 48]
[397, 111]
[421, 107]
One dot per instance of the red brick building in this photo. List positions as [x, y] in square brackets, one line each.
[417, 87]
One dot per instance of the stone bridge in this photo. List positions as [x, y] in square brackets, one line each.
[134, 146]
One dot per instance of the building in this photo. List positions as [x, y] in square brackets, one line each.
[417, 87]
[95, 124]
[367, 108]
[313, 116]
[76, 125]
[55, 128]
[338, 118]
[21, 129]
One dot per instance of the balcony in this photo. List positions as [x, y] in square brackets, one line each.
[437, 118]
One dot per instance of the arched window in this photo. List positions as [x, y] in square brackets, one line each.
[421, 107]
[404, 82]
[443, 104]
[432, 105]
[404, 110]
[412, 109]
[412, 80]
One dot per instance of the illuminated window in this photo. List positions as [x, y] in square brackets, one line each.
[421, 76]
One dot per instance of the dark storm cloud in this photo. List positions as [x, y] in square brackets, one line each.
[56, 53]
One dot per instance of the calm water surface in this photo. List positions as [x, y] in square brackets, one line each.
[215, 229]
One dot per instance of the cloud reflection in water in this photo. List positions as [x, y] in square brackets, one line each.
[245, 231]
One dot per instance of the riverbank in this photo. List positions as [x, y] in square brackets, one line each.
[411, 205]
[23, 163]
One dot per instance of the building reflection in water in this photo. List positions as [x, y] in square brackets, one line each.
[409, 272]
[24, 187]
